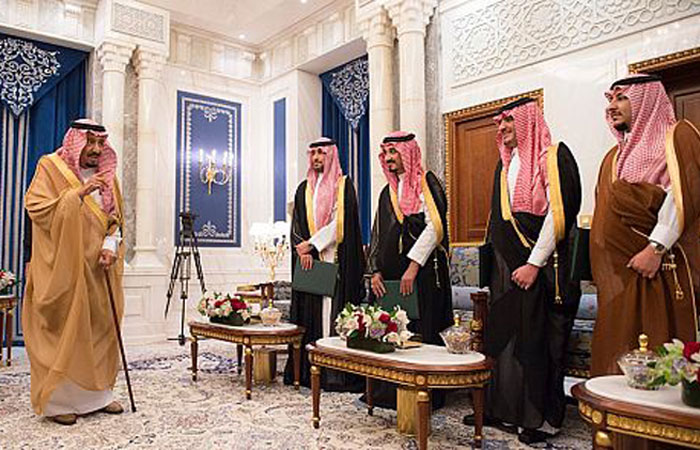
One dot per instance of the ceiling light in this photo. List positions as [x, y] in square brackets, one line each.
[241, 36]
[304, 1]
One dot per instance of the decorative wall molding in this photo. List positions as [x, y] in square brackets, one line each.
[133, 22]
[666, 61]
[319, 33]
[69, 19]
[491, 37]
[137, 22]
[211, 53]
[209, 124]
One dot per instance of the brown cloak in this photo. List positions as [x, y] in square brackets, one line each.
[66, 317]
[625, 214]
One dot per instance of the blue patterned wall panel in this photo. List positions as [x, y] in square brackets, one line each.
[209, 124]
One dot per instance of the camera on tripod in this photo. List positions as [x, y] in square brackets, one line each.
[187, 249]
[187, 219]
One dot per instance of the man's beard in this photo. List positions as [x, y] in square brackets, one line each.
[318, 169]
[622, 126]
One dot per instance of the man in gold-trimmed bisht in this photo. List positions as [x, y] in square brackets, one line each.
[410, 243]
[645, 251]
[326, 227]
[532, 303]
[75, 207]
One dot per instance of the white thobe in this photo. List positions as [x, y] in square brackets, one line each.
[68, 397]
[545, 244]
[427, 240]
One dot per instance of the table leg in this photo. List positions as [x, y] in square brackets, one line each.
[478, 400]
[316, 394]
[297, 364]
[239, 360]
[248, 371]
[368, 396]
[8, 334]
[194, 347]
[423, 400]
[3, 314]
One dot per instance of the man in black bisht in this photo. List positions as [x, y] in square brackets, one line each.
[410, 243]
[326, 227]
[532, 304]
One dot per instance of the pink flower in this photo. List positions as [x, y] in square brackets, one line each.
[690, 349]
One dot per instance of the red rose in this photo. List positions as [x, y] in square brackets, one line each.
[391, 327]
[384, 318]
[698, 376]
[690, 349]
[218, 303]
[360, 323]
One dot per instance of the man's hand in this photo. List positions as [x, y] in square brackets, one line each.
[307, 262]
[409, 276]
[525, 276]
[646, 263]
[92, 184]
[304, 248]
[107, 258]
[378, 287]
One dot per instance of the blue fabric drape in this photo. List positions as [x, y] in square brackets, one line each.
[37, 130]
[344, 104]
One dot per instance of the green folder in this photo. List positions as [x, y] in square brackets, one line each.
[393, 297]
[319, 280]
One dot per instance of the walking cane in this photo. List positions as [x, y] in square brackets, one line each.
[119, 340]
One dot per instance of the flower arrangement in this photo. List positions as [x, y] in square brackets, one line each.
[225, 309]
[679, 363]
[372, 328]
[7, 280]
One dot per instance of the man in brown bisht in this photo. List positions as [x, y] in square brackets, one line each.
[75, 207]
[645, 251]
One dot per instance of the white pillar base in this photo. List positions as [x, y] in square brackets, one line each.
[146, 257]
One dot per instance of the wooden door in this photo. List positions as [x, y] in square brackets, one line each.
[474, 160]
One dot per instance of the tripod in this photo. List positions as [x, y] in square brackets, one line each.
[182, 268]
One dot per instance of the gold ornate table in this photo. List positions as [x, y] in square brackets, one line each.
[7, 306]
[611, 407]
[420, 369]
[247, 336]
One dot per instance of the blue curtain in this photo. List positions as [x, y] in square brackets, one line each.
[345, 118]
[34, 115]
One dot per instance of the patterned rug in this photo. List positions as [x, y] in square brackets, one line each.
[176, 413]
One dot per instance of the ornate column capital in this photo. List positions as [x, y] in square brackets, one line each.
[114, 56]
[376, 29]
[410, 16]
[148, 64]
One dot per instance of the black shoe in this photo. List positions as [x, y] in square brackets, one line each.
[529, 436]
[490, 422]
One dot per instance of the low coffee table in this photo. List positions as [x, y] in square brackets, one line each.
[7, 306]
[424, 368]
[610, 406]
[247, 336]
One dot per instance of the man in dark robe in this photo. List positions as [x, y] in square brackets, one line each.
[645, 252]
[326, 227]
[410, 243]
[532, 303]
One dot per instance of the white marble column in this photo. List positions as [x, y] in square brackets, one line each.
[379, 35]
[149, 67]
[410, 18]
[113, 58]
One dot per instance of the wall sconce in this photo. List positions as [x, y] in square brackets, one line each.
[211, 172]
